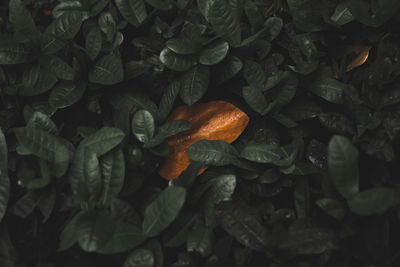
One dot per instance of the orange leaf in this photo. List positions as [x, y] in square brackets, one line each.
[363, 53]
[215, 120]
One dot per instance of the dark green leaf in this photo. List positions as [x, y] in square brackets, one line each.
[107, 25]
[254, 74]
[66, 94]
[163, 210]
[95, 229]
[103, 140]
[45, 82]
[373, 201]
[224, 17]
[167, 100]
[183, 46]
[176, 62]
[194, 84]
[260, 153]
[256, 99]
[273, 26]
[40, 120]
[222, 188]
[113, 170]
[67, 6]
[214, 53]
[21, 18]
[330, 89]
[134, 11]
[69, 235]
[143, 125]
[168, 129]
[125, 237]
[136, 99]
[237, 220]
[46, 146]
[309, 240]
[58, 67]
[343, 165]
[108, 70]
[213, 152]
[64, 27]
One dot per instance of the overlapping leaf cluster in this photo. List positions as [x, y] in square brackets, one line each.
[86, 87]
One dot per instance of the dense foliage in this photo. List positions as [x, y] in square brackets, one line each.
[86, 87]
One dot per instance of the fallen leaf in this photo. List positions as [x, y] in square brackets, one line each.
[215, 120]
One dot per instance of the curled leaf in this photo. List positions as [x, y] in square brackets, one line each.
[363, 53]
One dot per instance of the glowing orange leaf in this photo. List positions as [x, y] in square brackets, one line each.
[215, 120]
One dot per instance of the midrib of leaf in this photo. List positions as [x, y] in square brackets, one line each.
[223, 153]
[102, 69]
[191, 88]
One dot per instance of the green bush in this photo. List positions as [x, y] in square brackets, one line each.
[86, 87]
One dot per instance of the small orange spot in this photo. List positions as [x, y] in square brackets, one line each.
[215, 120]
[47, 12]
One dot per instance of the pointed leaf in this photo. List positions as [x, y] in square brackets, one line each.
[260, 153]
[163, 210]
[213, 152]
